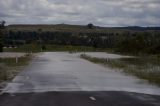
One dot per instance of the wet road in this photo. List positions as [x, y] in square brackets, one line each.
[67, 74]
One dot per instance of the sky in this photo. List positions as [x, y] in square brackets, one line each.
[99, 12]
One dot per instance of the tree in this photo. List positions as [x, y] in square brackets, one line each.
[43, 47]
[90, 26]
[2, 25]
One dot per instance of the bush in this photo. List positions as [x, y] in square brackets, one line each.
[1, 47]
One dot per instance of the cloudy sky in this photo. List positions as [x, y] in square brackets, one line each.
[98, 12]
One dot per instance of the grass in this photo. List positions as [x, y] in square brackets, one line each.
[52, 48]
[142, 67]
[9, 68]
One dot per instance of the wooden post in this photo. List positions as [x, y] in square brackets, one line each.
[16, 59]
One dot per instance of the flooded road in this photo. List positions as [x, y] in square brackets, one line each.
[105, 55]
[61, 71]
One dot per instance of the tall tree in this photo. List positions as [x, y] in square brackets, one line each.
[2, 26]
[90, 26]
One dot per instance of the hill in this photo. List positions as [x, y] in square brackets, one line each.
[77, 28]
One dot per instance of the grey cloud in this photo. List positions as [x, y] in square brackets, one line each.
[99, 12]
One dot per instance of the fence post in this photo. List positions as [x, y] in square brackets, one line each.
[16, 59]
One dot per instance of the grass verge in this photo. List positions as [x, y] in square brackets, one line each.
[52, 48]
[143, 68]
[9, 68]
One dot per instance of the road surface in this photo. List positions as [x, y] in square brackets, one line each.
[63, 79]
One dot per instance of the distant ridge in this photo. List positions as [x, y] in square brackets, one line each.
[62, 25]
[139, 28]
[135, 28]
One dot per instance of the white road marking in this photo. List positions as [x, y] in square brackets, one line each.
[92, 98]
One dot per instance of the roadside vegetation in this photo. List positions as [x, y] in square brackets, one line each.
[9, 67]
[2, 28]
[147, 68]
[126, 40]
[51, 48]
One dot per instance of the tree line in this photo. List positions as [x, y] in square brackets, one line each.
[124, 41]
[129, 42]
[98, 40]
